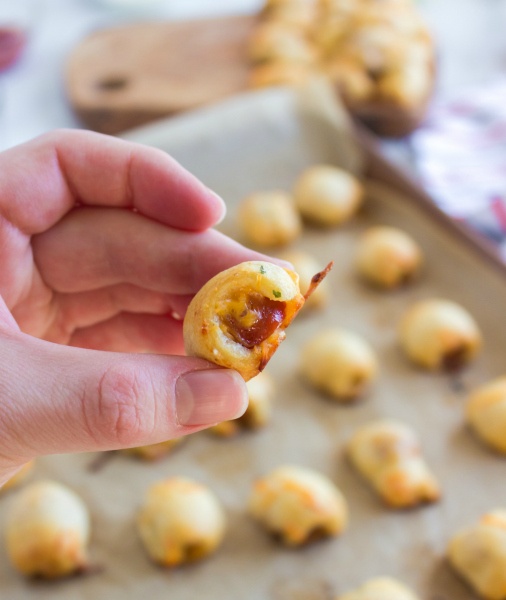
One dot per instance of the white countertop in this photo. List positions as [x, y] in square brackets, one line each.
[469, 33]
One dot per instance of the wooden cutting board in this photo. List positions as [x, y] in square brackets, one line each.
[127, 76]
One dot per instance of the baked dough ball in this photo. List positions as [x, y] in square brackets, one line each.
[387, 453]
[381, 588]
[180, 521]
[387, 257]
[339, 363]
[306, 265]
[269, 219]
[275, 40]
[478, 554]
[299, 505]
[258, 413]
[279, 72]
[47, 531]
[486, 413]
[439, 334]
[327, 195]
[19, 477]
[238, 318]
[154, 451]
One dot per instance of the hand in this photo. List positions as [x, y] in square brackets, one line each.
[102, 245]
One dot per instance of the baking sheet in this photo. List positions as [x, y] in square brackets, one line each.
[260, 141]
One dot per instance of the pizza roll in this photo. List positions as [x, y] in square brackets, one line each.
[439, 334]
[47, 531]
[19, 477]
[258, 413]
[387, 453]
[276, 40]
[478, 554]
[327, 195]
[180, 521]
[279, 72]
[339, 363]
[154, 451]
[388, 257]
[306, 265]
[238, 319]
[269, 219]
[486, 413]
[381, 588]
[299, 505]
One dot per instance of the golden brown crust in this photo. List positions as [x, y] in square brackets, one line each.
[387, 453]
[478, 554]
[298, 505]
[238, 319]
[486, 413]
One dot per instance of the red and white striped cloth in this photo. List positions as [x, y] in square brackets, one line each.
[460, 155]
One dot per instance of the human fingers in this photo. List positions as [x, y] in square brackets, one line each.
[59, 399]
[128, 332]
[92, 248]
[85, 309]
[45, 178]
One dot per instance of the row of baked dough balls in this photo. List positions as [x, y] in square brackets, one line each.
[182, 520]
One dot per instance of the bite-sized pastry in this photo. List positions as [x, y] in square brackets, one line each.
[439, 334]
[298, 13]
[388, 454]
[238, 318]
[274, 40]
[47, 531]
[388, 257]
[258, 413]
[306, 265]
[486, 413]
[154, 451]
[478, 554]
[327, 195]
[19, 477]
[339, 363]
[353, 82]
[279, 72]
[180, 521]
[298, 505]
[380, 588]
[269, 219]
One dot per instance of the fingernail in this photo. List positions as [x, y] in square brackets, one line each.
[223, 206]
[210, 396]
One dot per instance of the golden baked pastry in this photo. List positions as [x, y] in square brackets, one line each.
[439, 334]
[486, 413]
[388, 454]
[19, 477]
[279, 72]
[258, 413]
[380, 588]
[339, 363]
[478, 554]
[269, 219]
[277, 40]
[306, 265]
[298, 505]
[387, 256]
[238, 318]
[180, 521]
[154, 451]
[380, 55]
[327, 195]
[47, 531]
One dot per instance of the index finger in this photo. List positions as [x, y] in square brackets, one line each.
[43, 179]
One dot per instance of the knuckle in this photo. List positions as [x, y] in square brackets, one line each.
[122, 412]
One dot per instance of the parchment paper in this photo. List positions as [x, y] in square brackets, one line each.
[262, 141]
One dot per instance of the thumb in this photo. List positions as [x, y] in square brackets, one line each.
[58, 399]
